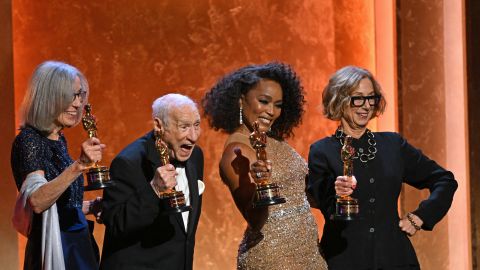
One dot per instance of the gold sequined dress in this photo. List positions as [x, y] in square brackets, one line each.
[289, 238]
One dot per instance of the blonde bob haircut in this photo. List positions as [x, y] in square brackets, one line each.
[49, 93]
[336, 95]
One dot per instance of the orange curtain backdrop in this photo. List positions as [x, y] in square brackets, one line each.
[433, 117]
[8, 236]
[133, 52]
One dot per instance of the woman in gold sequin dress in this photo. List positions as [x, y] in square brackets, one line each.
[282, 236]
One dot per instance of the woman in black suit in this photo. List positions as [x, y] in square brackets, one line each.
[383, 161]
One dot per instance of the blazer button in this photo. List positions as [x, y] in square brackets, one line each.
[372, 180]
[372, 230]
[372, 200]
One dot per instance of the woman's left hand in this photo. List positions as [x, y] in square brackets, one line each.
[409, 226]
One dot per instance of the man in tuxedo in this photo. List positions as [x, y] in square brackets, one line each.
[139, 233]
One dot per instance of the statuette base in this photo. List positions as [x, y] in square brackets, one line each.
[268, 194]
[98, 178]
[346, 209]
[173, 202]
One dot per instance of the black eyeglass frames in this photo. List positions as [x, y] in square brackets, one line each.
[82, 94]
[359, 101]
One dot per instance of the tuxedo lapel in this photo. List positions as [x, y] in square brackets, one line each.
[192, 177]
[179, 218]
[152, 154]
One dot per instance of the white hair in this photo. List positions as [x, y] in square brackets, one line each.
[49, 93]
[162, 105]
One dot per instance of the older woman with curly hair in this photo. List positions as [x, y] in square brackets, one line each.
[281, 236]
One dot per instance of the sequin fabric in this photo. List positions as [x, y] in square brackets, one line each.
[289, 238]
[31, 151]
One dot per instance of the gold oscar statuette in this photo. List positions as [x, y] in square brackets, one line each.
[346, 207]
[172, 201]
[98, 177]
[267, 192]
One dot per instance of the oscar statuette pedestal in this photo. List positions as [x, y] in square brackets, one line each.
[98, 177]
[267, 193]
[346, 207]
[171, 201]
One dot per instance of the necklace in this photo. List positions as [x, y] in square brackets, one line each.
[364, 157]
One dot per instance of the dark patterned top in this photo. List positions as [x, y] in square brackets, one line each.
[32, 151]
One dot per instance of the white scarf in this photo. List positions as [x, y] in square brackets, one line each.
[52, 253]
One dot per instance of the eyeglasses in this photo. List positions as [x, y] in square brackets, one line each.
[82, 94]
[359, 101]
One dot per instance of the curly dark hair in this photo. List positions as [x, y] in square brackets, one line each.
[221, 106]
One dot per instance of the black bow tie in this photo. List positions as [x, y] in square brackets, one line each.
[178, 164]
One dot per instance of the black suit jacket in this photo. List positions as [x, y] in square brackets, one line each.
[375, 241]
[138, 235]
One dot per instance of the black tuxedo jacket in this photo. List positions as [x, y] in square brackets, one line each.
[138, 235]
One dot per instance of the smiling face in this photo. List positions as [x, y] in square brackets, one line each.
[181, 132]
[71, 115]
[357, 118]
[263, 103]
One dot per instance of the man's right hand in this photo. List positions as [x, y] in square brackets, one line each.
[165, 178]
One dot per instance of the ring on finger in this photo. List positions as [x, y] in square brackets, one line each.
[259, 174]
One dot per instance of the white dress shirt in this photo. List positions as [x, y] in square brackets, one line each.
[182, 185]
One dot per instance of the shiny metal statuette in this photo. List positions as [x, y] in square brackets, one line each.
[171, 201]
[98, 177]
[346, 207]
[267, 192]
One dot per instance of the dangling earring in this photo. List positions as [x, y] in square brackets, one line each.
[240, 121]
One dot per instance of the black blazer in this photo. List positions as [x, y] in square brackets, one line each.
[376, 241]
[138, 235]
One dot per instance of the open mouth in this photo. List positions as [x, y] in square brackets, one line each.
[187, 147]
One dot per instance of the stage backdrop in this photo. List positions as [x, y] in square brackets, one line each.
[133, 52]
